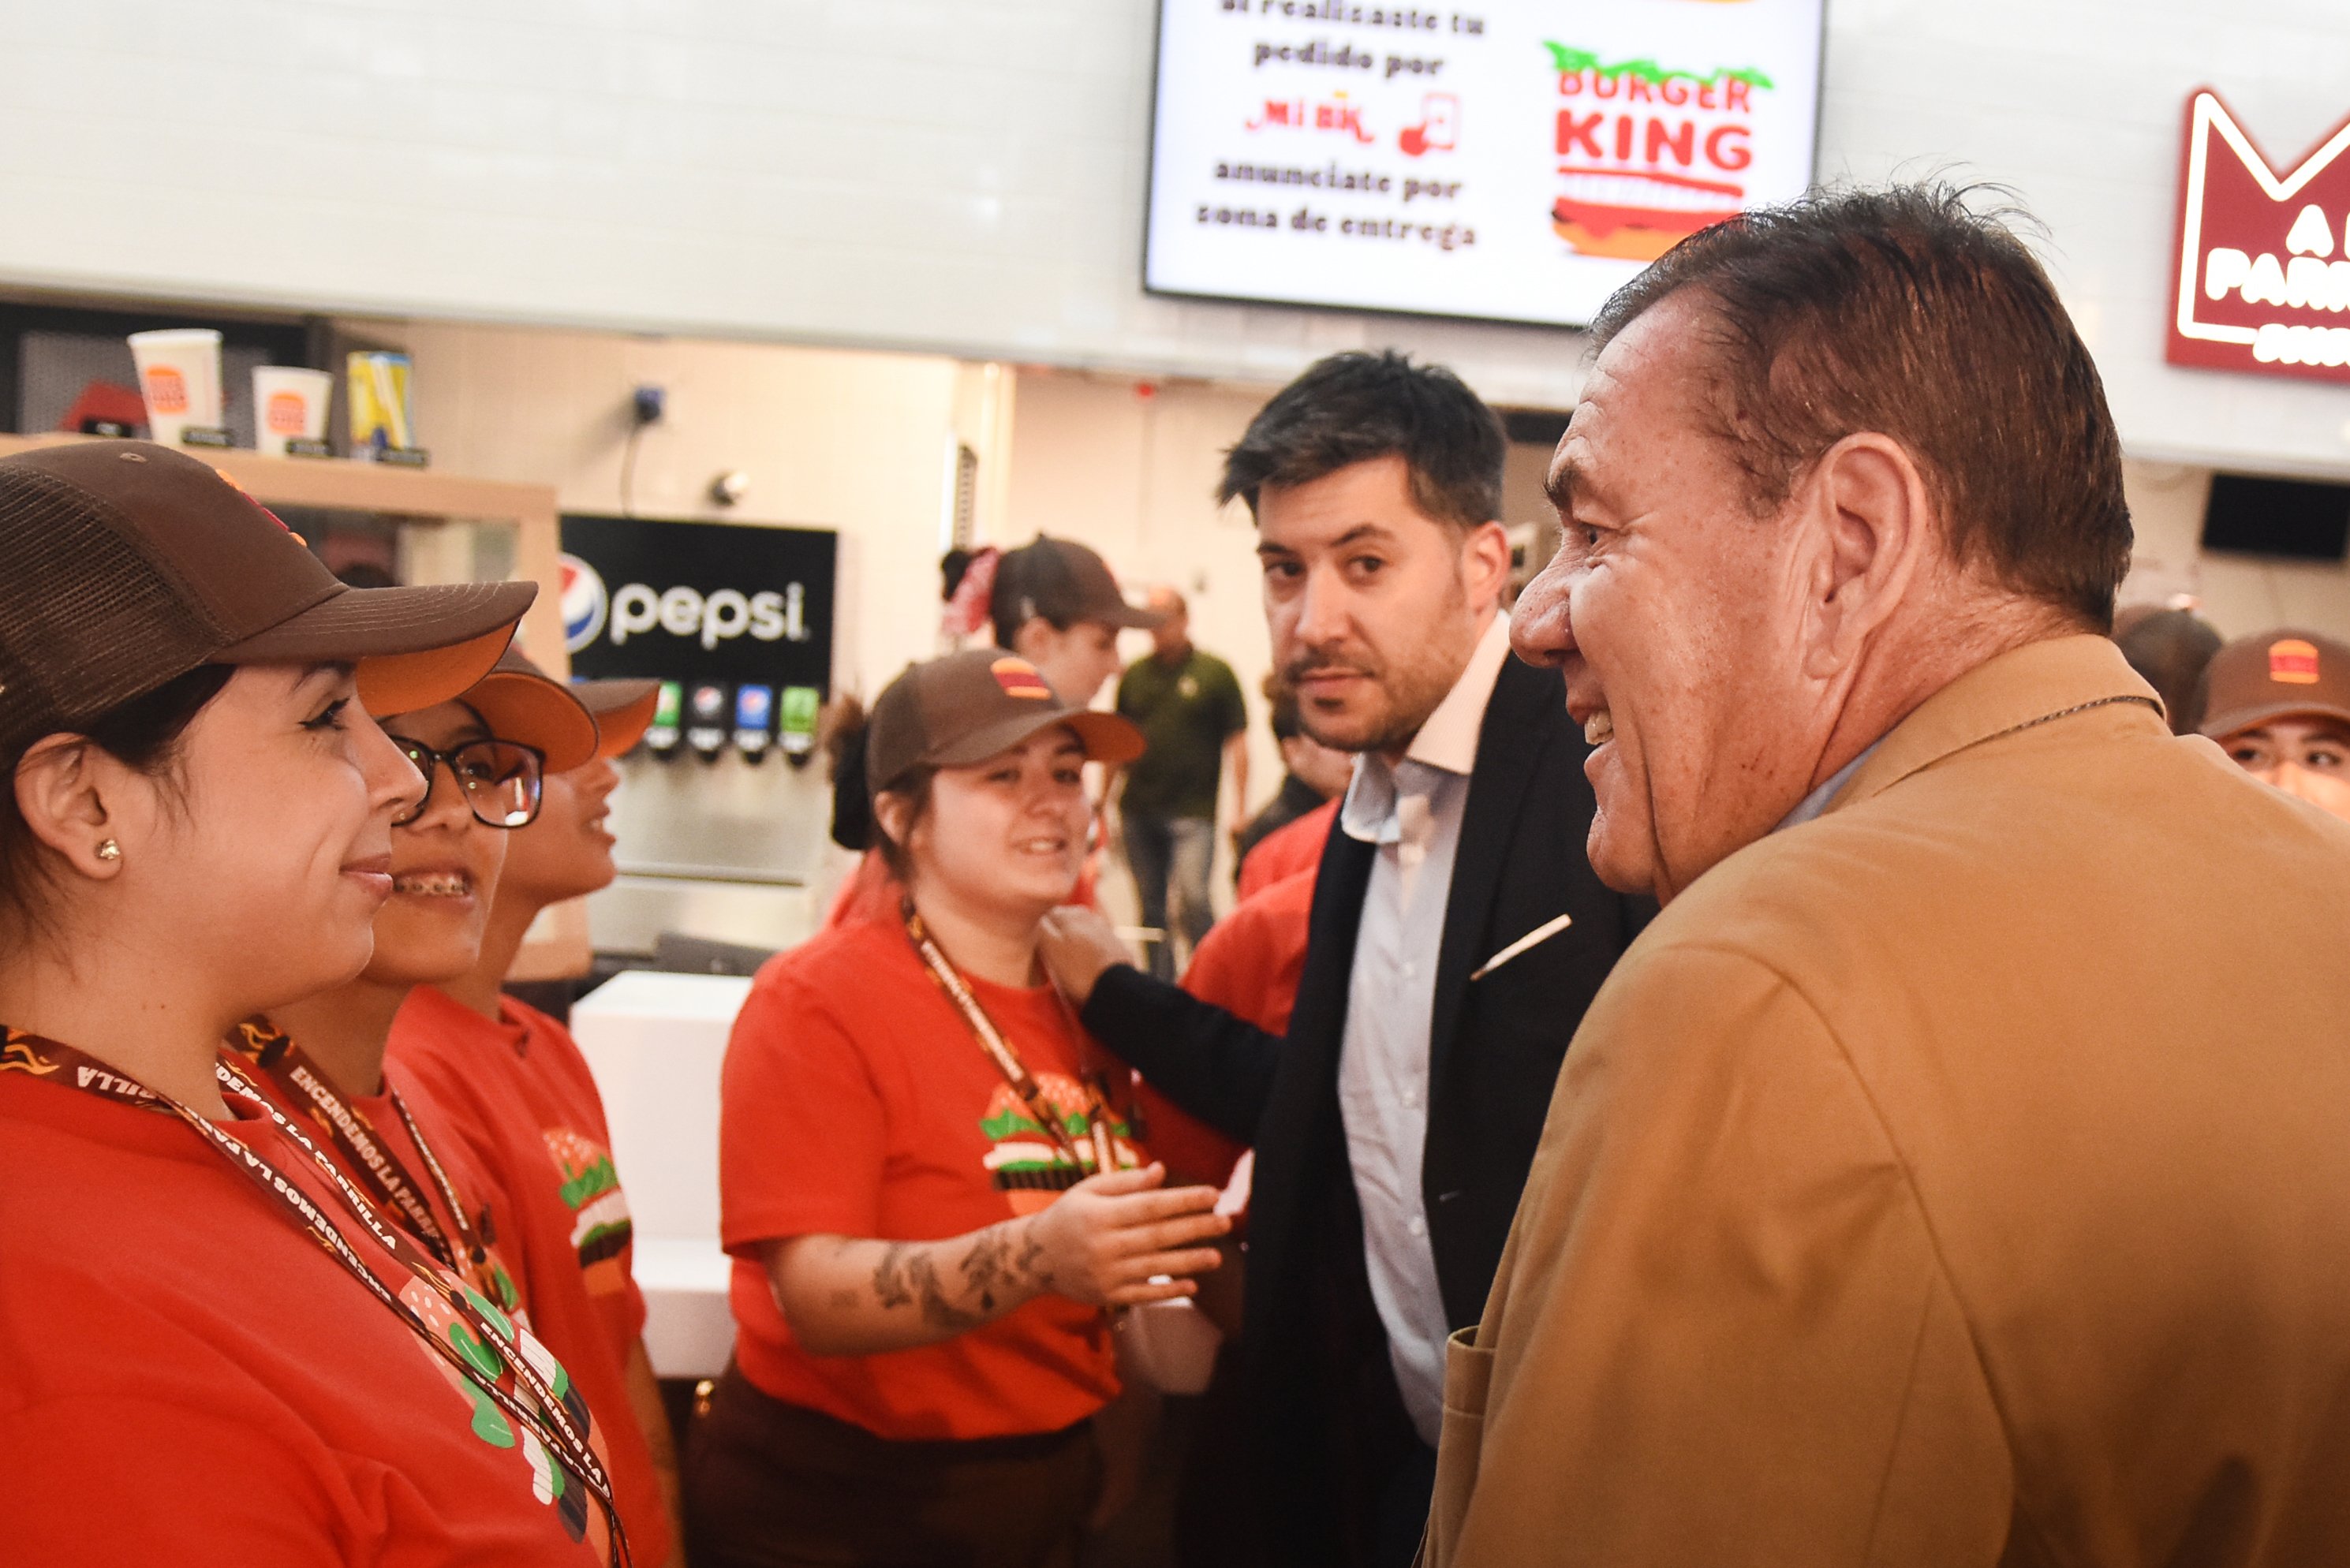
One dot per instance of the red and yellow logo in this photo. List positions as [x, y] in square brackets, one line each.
[167, 390]
[1019, 679]
[2292, 662]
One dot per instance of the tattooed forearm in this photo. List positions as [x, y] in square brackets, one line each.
[846, 1296]
[891, 1287]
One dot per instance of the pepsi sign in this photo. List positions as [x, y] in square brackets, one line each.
[699, 603]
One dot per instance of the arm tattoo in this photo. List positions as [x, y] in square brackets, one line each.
[907, 1275]
[996, 1265]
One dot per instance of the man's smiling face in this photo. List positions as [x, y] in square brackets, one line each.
[1677, 616]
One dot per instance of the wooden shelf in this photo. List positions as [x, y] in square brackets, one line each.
[558, 946]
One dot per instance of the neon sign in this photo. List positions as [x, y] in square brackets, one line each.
[2262, 280]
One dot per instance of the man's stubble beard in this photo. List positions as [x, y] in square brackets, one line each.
[1412, 689]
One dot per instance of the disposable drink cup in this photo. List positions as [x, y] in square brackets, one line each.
[179, 375]
[288, 405]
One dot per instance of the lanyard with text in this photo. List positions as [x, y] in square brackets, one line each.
[364, 1154]
[999, 1050]
[551, 1422]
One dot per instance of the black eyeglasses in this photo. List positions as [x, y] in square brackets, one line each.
[501, 779]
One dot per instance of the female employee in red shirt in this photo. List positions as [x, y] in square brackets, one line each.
[209, 1342]
[1052, 602]
[927, 1183]
[488, 757]
[519, 1084]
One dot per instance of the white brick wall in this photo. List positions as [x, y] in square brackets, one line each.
[967, 175]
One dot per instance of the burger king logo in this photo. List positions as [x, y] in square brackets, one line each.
[2292, 662]
[167, 390]
[288, 414]
[585, 604]
[1019, 679]
[1647, 155]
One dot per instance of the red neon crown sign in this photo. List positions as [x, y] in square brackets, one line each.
[2261, 280]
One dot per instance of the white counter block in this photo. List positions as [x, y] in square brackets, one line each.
[689, 1332]
[655, 1043]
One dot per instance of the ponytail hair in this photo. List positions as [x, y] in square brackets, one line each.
[845, 725]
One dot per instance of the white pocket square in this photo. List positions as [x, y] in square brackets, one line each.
[1534, 937]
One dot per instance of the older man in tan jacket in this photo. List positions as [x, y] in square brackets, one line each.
[1958, 1171]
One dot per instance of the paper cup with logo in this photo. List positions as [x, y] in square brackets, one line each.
[288, 405]
[179, 375]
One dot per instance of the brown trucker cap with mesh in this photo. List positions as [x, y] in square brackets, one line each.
[966, 707]
[124, 565]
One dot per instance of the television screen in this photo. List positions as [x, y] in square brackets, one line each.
[2256, 515]
[1509, 160]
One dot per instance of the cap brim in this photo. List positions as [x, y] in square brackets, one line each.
[2219, 726]
[413, 646]
[1131, 618]
[624, 711]
[1107, 737]
[536, 711]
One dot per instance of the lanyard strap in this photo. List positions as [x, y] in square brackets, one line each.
[551, 1422]
[364, 1153]
[1007, 1060]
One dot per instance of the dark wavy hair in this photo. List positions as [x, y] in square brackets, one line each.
[1358, 406]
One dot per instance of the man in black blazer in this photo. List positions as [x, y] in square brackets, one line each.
[1457, 934]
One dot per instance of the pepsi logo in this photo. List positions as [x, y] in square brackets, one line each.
[585, 604]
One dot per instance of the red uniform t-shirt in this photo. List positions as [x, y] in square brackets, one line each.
[854, 1102]
[1285, 851]
[519, 1092]
[186, 1376]
[487, 1207]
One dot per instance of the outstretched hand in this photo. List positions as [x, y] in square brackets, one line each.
[1106, 1241]
[1076, 944]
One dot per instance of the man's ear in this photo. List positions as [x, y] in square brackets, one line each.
[1878, 529]
[1486, 563]
[67, 792]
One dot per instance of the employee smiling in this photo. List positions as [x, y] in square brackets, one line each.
[930, 1190]
[486, 757]
[209, 1343]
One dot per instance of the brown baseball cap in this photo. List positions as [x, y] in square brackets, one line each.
[2276, 675]
[124, 564]
[624, 711]
[965, 708]
[1063, 581]
[519, 701]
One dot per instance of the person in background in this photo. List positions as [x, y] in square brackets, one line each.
[1457, 933]
[1313, 774]
[518, 1085]
[1954, 1172]
[929, 1189]
[1194, 723]
[1053, 603]
[2169, 648]
[2279, 705]
[211, 1346]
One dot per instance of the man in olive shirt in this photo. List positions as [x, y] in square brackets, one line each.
[1190, 706]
